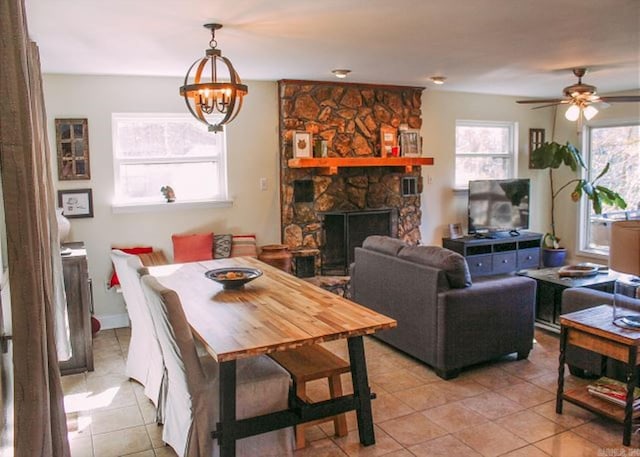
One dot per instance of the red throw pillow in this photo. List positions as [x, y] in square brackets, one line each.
[192, 248]
[135, 251]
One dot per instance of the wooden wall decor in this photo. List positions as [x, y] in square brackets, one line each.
[72, 144]
[536, 139]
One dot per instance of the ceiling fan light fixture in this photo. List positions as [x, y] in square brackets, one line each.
[439, 80]
[341, 72]
[589, 112]
[215, 96]
[573, 113]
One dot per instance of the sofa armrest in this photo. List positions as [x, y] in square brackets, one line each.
[578, 298]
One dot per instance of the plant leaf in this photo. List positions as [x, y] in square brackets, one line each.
[603, 172]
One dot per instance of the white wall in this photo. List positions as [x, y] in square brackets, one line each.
[440, 110]
[252, 153]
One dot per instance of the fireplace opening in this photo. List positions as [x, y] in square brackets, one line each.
[344, 231]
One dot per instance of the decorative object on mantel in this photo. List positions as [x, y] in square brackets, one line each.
[76, 203]
[624, 257]
[410, 143]
[388, 140]
[276, 255]
[72, 144]
[215, 96]
[302, 144]
[551, 156]
[168, 193]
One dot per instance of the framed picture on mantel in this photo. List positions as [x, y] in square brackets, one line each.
[302, 145]
[388, 140]
[410, 143]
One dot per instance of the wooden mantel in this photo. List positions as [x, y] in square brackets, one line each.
[330, 165]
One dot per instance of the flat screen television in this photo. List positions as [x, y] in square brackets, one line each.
[498, 205]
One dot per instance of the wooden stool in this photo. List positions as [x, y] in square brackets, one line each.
[308, 363]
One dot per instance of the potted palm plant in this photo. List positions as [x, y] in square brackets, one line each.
[551, 156]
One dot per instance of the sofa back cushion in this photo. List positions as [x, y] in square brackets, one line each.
[383, 244]
[453, 264]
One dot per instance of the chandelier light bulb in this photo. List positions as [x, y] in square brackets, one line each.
[589, 112]
[573, 113]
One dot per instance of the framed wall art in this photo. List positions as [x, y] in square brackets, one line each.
[76, 203]
[302, 145]
[72, 144]
[410, 143]
[388, 140]
[536, 139]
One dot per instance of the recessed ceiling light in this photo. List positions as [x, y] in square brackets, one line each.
[438, 79]
[341, 73]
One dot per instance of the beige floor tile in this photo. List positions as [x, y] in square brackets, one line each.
[121, 442]
[81, 447]
[412, 429]
[315, 432]
[377, 365]
[491, 377]
[424, 372]
[526, 394]
[110, 420]
[112, 391]
[388, 406]
[110, 365]
[530, 426]
[492, 405]
[78, 424]
[425, 397]
[395, 381]
[528, 451]
[400, 453]
[74, 383]
[460, 388]
[148, 411]
[454, 416]
[320, 448]
[490, 439]
[165, 451]
[571, 416]
[155, 435]
[351, 446]
[525, 369]
[445, 446]
[606, 433]
[148, 453]
[568, 444]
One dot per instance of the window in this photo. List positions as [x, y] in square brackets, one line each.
[619, 145]
[154, 150]
[484, 150]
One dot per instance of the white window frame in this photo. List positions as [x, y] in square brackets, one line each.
[511, 154]
[121, 205]
[583, 213]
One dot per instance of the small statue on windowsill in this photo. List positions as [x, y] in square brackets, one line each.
[168, 193]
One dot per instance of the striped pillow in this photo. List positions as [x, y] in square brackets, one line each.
[244, 245]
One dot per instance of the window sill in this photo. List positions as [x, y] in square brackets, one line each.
[597, 255]
[123, 208]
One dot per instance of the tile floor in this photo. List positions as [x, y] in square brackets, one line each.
[505, 408]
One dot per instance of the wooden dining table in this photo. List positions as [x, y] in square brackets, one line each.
[274, 312]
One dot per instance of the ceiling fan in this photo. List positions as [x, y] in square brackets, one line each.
[581, 97]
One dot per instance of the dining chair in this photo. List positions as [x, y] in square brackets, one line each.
[144, 359]
[192, 402]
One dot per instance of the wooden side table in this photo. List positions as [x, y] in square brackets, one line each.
[594, 330]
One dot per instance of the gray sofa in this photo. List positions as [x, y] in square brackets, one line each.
[443, 319]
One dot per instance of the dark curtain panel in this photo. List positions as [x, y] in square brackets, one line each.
[40, 423]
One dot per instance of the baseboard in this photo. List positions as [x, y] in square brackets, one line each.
[108, 321]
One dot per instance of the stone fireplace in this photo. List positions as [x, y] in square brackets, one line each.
[326, 216]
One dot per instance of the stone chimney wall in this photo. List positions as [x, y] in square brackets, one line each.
[348, 117]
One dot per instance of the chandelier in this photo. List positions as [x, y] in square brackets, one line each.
[215, 97]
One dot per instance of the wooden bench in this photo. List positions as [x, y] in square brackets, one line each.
[308, 363]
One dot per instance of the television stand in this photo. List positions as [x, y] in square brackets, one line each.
[506, 253]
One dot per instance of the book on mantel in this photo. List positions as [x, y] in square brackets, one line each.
[613, 391]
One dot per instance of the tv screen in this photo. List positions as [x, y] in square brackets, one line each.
[498, 205]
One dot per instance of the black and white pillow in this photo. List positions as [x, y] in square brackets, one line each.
[222, 246]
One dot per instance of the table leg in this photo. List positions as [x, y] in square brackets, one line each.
[631, 384]
[227, 408]
[561, 361]
[361, 390]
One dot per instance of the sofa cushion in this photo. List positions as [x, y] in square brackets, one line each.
[383, 244]
[453, 264]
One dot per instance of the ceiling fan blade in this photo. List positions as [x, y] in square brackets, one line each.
[621, 98]
[552, 100]
[550, 104]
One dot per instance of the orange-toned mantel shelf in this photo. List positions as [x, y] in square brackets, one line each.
[331, 164]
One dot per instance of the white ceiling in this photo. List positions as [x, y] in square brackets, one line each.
[511, 47]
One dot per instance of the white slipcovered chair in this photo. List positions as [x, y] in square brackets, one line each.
[144, 359]
[192, 401]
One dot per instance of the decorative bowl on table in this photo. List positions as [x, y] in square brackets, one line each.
[577, 271]
[233, 277]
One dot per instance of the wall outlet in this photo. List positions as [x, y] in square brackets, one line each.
[263, 184]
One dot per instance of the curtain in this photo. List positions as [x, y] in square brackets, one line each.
[40, 422]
